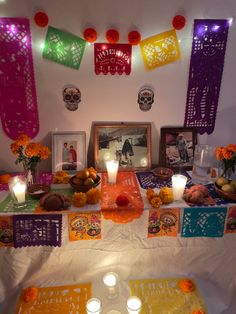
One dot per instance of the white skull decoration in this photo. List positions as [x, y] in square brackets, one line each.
[72, 97]
[145, 98]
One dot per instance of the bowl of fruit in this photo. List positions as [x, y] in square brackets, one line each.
[226, 188]
[85, 180]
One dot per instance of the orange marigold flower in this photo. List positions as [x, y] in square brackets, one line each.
[156, 202]
[30, 294]
[198, 312]
[150, 194]
[186, 285]
[23, 140]
[232, 147]
[44, 152]
[93, 196]
[227, 154]
[32, 150]
[219, 153]
[79, 199]
[14, 148]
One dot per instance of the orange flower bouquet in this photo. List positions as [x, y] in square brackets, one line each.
[29, 154]
[227, 156]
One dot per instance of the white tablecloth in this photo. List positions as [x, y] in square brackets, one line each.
[126, 250]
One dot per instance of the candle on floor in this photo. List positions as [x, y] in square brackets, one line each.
[110, 281]
[112, 169]
[17, 187]
[178, 185]
[134, 305]
[93, 306]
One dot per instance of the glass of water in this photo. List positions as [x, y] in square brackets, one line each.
[203, 163]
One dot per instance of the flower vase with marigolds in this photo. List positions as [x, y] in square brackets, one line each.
[29, 154]
[227, 158]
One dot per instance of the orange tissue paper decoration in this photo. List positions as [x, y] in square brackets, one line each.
[198, 312]
[30, 294]
[134, 38]
[112, 36]
[90, 35]
[179, 22]
[41, 19]
[186, 285]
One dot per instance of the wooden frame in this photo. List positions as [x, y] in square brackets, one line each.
[129, 143]
[68, 151]
[177, 148]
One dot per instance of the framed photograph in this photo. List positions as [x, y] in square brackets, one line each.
[177, 147]
[68, 151]
[129, 143]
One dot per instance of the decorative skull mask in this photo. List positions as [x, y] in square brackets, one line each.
[145, 98]
[72, 97]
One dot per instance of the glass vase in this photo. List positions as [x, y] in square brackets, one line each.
[31, 173]
[226, 172]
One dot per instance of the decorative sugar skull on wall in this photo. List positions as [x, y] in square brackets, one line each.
[145, 98]
[72, 97]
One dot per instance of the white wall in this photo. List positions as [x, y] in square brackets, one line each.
[114, 98]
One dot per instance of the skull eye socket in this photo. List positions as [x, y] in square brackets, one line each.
[76, 97]
[149, 98]
[68, 97]
[142, 98]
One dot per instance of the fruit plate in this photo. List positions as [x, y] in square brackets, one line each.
[225, 195]
[162, 173]
[84, 188]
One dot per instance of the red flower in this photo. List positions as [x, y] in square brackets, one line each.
[178, 22]
[90, 35]
[41, 19]
[112, 36]
[134, 38]
[122, 200]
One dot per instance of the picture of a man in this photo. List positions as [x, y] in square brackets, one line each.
[65, 156]
[181, 144]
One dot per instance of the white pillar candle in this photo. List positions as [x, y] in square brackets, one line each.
[112, 169]
[178, 185]
[19, 191]
[110, 281]
[93, 306]
[134, 305]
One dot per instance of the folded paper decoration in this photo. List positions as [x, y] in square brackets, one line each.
[35, 230]
[203, 222]
[112, 58]
[64, 48]
[18, 102]
[163, 222]
[160, 49]
[230, 226]
[62, 299]
[205, 73]
[165, 296]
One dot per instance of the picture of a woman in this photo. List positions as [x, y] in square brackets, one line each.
[127, 152]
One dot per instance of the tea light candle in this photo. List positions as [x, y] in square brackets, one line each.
[178, 185]
[134, 305]
[93, 306]
[19, 191]
[110, 281]
[112, 169]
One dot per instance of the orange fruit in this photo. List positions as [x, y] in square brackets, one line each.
[4, 178]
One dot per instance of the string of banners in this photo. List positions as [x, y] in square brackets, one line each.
[26, 230]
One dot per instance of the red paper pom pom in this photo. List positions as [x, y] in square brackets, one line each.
[178, 22]
[134, 38]
[122, 200]
[41, 19]
[112, 36]
[90, 35]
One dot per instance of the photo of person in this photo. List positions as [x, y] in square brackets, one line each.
[69, 151]
[179, 149]
[130, 145]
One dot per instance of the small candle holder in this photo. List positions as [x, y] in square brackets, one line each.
[93, 306]
[110, 280]
[112, 169]
[134, 305]
[178, 185]
[17, 188]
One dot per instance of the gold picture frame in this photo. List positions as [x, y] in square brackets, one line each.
[129, 143]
